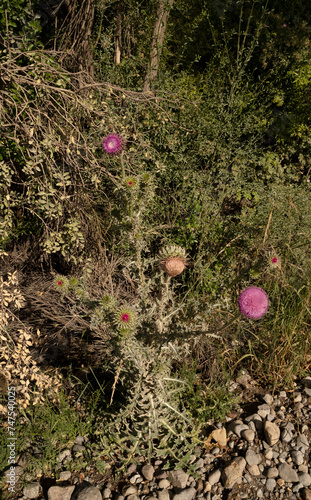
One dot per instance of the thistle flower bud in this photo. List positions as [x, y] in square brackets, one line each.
[125, 318]
[173, 260]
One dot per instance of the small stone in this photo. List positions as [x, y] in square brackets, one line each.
[233, 473]
[136, 479]
[65, 475]
[270, 484]
[306, 494]
[164, 483]
[79, 440]
[106, 493]
[129, 490]
[256, 419]
[248, 435]
[220, 436]
[253, 470]
[65, 456]
[214, 477]
[148, 472]
[133, 496]
[60, 493]
[297, 457]
[268, 399]
[31, 490]
[199, 485]
[178, 478]
[304, 478]
[90, 493]
[272, 472]
[186, 494]
[163, 495]
[268, 454]
[252, 458]
[272, 433]
[131, 468]
[286, 436]
[287, 473]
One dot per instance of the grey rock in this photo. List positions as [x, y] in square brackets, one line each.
[307, 382]
[90, 493]
[214, 477]
[164, 495]
[31, 490]
[65, 475]
[263, 410]
[136, 479]
[268, 399]
[133, 496]
[65, 456]
[233, 473]
[256, 419]
[129, 490]
[272, 472]
[248, 435]
[288, 474]
[270, 484]
[131, 468]
[252, 458]
[60, 492]
[106, 493]
[78, 447]
[304, 478]
[164, 483]
[286, 436]
[237, 428]
[178, 478]
[297, 457]
[253, 470]
[272, 432]
[186, 494]
[268, 454]
[148, 472]
[306, 494]
[79, 440]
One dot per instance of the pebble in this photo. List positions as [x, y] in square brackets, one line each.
[262, 455]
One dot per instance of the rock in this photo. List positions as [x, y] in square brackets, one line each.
[220, 436]
[129, 490]
[163, 495]
[32, 490]
[297, 457]
[90, 493]
[252, 458]
[106, 493]
[272, 432]
[186, 494]
[79, 440]
[164, 483]
[148, 472]
[272, 472]
[248, 435]
[214, 477]
[64, 456]
[178, 478]
[306, 494]
[253, 470]
[233, 473]
[304, 478]
[60, 492]
[65, 475]
[270, 484]
[287, 473]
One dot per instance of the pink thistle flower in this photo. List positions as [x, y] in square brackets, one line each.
[113, 144]
[125, 318]
[253, 302]
[274, 260]
[61, 283]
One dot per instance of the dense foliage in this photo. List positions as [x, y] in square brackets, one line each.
[213, 161]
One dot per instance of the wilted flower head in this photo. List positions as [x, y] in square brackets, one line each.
[113, 144]
[61, 283]
[173, 260]
[125, 318]
[253, 302]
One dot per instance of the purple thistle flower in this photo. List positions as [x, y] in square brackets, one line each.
[113, 144]
[253, 302]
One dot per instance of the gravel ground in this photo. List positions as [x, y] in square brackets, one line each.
[261, 452]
